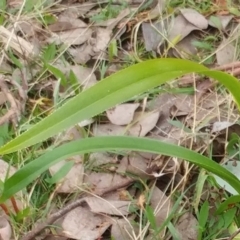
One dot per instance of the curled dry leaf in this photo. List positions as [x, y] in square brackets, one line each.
[122, 114]
[5, 229]
[187, 227]
[195, 18]
[111, 207]
[81, 223]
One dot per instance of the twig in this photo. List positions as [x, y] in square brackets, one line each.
[55, 216]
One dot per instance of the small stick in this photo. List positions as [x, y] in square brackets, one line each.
[4, 207]
[14, 204]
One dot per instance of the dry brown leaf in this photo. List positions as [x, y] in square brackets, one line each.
[76, 36]
[71, 134]
[122, 230]
[81, 223]
[111, 207]
[100, 158]
[180, 28]
[153, 34]
[144, 123]
[225, 53]
[74, 178]
[134, 164]
[161, 206]
[187, 227]
[195, 18]
[27, 27]
[185, 48]
[66, 23]
[81, 54]
[112, 23]
[122, 114]
[77, 10]
[99, 182]
[102, 40]
[5, 229]
[85, 76]
[109, 130]
[220, 22]
[20, 45]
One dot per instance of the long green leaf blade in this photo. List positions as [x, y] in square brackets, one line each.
[32, 170]
[113, 90]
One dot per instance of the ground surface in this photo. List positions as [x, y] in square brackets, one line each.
[52, 50]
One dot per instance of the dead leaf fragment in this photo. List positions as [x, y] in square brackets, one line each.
[81, 54]
[121, 229]
[161, 205]
[74, 178]
[102, 39]
[180, 28]
[225, 53]
[145, 122]
[111, 207]
[153, 34]
[81, 223]
[187, 227]
[122, 114]
[85, 75]
[220, 22]
[76, 36]
[195, 18]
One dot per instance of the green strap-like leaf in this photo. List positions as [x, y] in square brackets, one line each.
[32, 170]
[113, 90]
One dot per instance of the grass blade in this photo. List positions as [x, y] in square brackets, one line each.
[32, 170]
[113, 90]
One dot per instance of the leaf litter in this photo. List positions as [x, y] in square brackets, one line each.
[109, 182]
